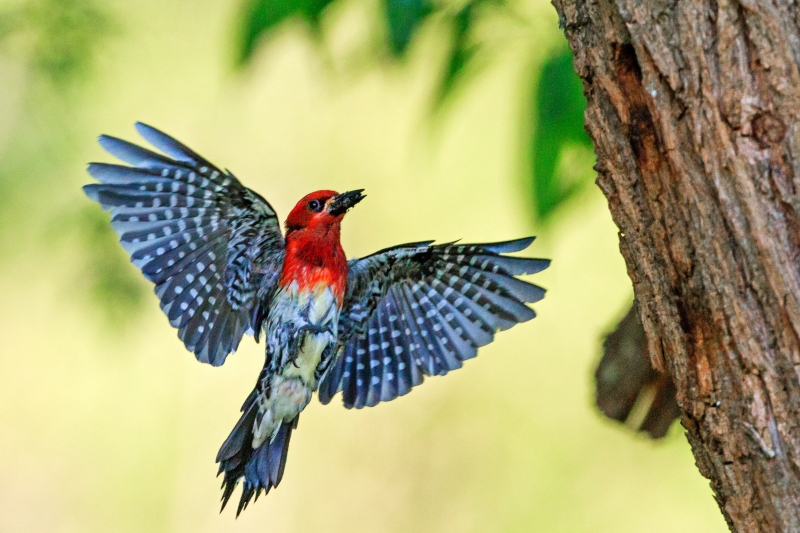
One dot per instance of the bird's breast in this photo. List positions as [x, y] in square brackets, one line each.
[312, 313]
[315, 259]
[316, 305]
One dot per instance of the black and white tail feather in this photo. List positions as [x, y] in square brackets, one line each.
[260, 469]
[214, 250]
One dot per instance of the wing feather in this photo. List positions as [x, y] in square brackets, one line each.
[401, 336]
[212, 247]
[386, 385]
[420, 309]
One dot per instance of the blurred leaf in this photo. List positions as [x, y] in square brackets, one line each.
[70, 30]
[558, 116]
[11, 21]
[461, 51]
[63, 34]
[262, 16]
[403, 17]
[106, 277]
[115, 286]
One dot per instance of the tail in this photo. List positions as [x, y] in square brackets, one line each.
[261, 468]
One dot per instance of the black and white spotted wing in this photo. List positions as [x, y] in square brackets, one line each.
[419, 310]
[213, 247]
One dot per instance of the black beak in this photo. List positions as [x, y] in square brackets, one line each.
[339, 204]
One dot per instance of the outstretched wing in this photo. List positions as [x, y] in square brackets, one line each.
[418, 310]
[213, 247]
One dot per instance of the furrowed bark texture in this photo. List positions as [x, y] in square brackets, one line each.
[693, 106]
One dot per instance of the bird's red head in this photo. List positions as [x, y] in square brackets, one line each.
[321, 211]
[314, 255]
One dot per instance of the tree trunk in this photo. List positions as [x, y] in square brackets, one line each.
[692, 106]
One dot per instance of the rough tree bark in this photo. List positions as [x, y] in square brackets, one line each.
[692, 106]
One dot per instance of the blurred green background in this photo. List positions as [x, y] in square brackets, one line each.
[461, 121]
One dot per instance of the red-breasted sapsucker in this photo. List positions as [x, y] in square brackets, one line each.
[371, 328]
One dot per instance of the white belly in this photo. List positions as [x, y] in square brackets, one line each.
[316, 308]
[295, 382]
[308, 358]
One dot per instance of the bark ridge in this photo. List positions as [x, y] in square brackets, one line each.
[692, 106]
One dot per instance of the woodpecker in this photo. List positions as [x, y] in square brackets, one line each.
[371, 328]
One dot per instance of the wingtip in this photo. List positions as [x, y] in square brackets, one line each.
[91, 168]
[537, 295]
[514, 245]
[104, 140]
[527, 241]
[143, 129]
[115, 146]
[92, 190]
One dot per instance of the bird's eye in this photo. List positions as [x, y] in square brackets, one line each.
[315, 205]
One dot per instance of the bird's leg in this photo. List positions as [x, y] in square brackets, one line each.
[299, 337]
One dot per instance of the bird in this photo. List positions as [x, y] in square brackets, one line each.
[370, 328]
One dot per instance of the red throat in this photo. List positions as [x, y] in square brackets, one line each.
[315, 257]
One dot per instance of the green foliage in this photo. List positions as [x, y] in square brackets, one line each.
[558, 99]
[59, 40]
[106, 277]
[558, 117]
[61, 36]
[262, 16]
[403, 17]
[461, 52]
